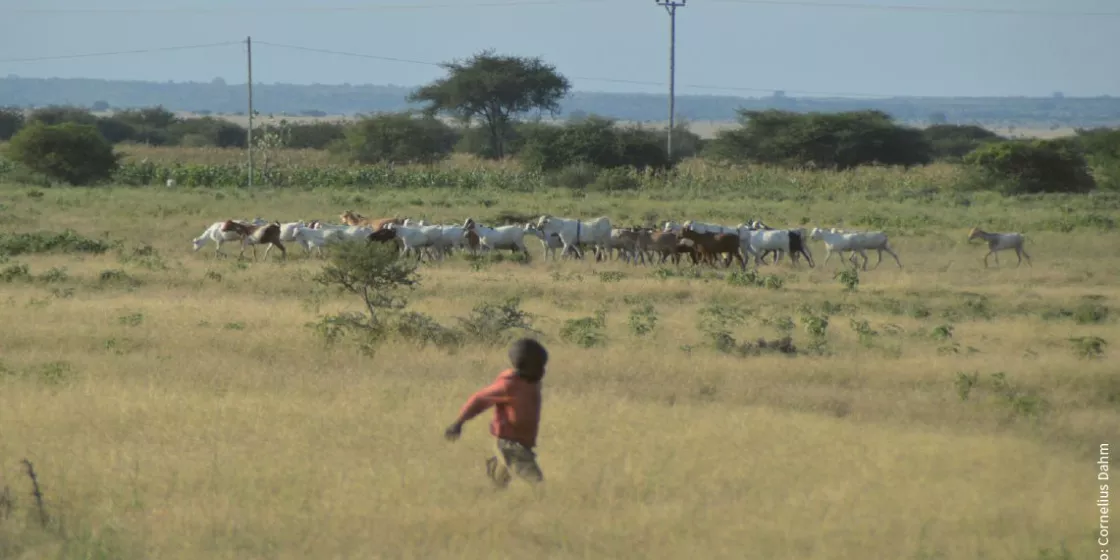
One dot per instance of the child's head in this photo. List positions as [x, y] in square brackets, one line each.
[528, 357]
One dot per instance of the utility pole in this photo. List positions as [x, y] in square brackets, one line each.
[249, 143]
[671, 7]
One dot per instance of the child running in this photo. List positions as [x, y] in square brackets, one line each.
[516, 398]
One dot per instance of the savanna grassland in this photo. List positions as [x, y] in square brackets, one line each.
[178, 405]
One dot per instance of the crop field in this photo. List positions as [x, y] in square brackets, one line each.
[178, 405]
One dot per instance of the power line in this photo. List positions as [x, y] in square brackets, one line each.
[908, 8]
[587, 78]
[115, 53]
[302, 9]
[351, 54]
[522, 3]
[708, 87]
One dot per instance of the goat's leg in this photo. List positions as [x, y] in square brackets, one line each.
[1028, 257]
[828, 255]
[863, 254]
[891, 253]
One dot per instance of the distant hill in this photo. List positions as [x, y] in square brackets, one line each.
[321, 100]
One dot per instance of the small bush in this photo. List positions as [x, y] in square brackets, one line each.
[1089, 347]
[1038, 166]
[70, 152]
[752, 278]
[951, 142]
[863, 329]
[716, 321]
[68, 241]
[54, 276]
[397, 138]
[120, 278]
[586, 332]
[643, 320]
[578, 176]
[144, 256]
[497, 323]
[15, 272]
[816, 326]
[131, 320]
[616, 180]
[849, 278]
[377, 275]
[424, 330]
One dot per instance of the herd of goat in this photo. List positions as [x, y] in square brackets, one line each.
[702, 243]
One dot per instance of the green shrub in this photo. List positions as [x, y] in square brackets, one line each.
[397, 138]
[820, 140]
[1036, 166]
[951, 142]
[70, 152]
[68, 241]
[596, 142]
[11, 120]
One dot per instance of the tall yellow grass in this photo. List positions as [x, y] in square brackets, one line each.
[196, 416]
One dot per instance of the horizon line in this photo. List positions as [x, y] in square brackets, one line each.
[867, 97]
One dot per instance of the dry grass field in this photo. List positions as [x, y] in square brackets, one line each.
[175, 405]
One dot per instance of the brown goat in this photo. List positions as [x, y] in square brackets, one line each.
[352, 218]
[709, 245]
[257, 235]
[382, 235]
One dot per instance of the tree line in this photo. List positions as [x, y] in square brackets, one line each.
[347, 99]
[499, 101]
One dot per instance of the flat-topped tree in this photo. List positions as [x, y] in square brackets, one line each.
[495, 89]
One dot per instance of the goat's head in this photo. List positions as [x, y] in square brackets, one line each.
[974, 233]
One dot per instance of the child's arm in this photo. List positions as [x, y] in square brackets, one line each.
[485, 398]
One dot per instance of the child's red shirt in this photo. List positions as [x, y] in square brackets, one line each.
[517, 408]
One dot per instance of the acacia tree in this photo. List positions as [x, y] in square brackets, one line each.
[495, 89]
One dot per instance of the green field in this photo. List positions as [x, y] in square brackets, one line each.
[175, 405]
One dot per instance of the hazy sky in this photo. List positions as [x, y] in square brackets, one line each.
[779, 44]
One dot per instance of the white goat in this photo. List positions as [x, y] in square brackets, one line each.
[550, 243]
[857, 242]
[502, 237]
[755, 242]
[318, 238]
[214, 233]
[596, 233]
[698, 227]
[419, 240]
[1001, 242]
